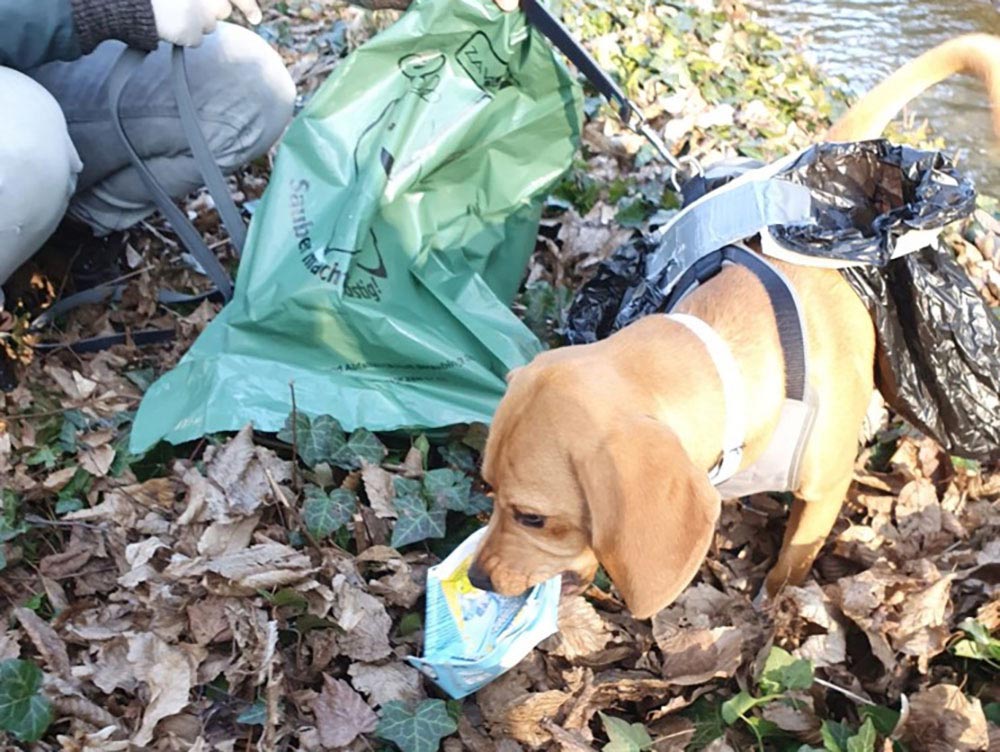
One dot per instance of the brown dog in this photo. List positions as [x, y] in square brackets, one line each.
[600, 452]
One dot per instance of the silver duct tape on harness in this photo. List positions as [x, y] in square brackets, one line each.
[729, 216]
[723, 217]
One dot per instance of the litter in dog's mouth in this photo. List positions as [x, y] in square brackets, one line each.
[472, 636]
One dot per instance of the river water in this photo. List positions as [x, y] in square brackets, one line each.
[862, 41]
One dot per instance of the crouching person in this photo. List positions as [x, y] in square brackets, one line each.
[59, 154]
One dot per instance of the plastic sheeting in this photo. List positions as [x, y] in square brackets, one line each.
[383, 258]
[876, 213]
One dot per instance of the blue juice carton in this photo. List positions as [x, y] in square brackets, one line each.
[471, 636]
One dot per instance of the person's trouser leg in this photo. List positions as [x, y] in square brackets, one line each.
[241, 89]
[38, 169]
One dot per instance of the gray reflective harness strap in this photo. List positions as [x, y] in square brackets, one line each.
[778, 467]
[189, 236]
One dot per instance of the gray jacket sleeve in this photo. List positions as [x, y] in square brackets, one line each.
[38, 31]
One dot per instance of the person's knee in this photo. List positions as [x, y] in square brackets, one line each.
[261, 93]
[38, 168]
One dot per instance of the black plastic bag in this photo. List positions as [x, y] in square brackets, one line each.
[938, 361]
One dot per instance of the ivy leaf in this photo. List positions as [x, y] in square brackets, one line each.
[624, 736]
[362, 446]
[864, 740]
[24, 712]
[633, 213]
[319, 439]
[885, 719]
[992, 713]
[449, 489]
[78, 486]
[416, 729]
[322, 442]
[784, 672]
[324, 514]
[254, 715]
[294, 430]
[67, 434]
[479, 503]
[142, 378]
[835, 736]
[459, 456]
[43, 456]
[416, 521]
[65, 506]
[9, 532]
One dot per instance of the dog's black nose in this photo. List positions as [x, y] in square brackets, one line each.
[479, 578]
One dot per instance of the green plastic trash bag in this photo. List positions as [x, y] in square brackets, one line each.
[392, 238]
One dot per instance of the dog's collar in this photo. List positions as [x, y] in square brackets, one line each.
[735, 426]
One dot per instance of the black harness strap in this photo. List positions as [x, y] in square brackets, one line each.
[782, 301]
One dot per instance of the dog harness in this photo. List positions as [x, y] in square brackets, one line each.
[778, 468]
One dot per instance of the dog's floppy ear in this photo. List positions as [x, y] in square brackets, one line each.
[653, 513]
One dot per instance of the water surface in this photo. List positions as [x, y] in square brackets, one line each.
[864, 40]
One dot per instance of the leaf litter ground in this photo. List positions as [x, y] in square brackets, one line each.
[228, 595]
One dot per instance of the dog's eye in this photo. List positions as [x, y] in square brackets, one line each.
[530, 520]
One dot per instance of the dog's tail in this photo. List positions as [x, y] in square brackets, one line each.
[974, 54]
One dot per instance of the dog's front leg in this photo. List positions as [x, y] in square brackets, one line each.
[808, 527]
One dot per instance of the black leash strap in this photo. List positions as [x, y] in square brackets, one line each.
[552, 28]
[215, 181]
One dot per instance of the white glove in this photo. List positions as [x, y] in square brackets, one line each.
[186, 22]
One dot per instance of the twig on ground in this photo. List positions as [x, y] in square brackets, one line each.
[845, 692]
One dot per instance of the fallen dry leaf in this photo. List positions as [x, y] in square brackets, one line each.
[96, 461]
[364, 621]
[341, 714]
[388, 682]
[809, 611]
[582, 631]
[263, 566]
[169, 672]
[46, 641]
[379, 490]
[943, 719]
[693, 656]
